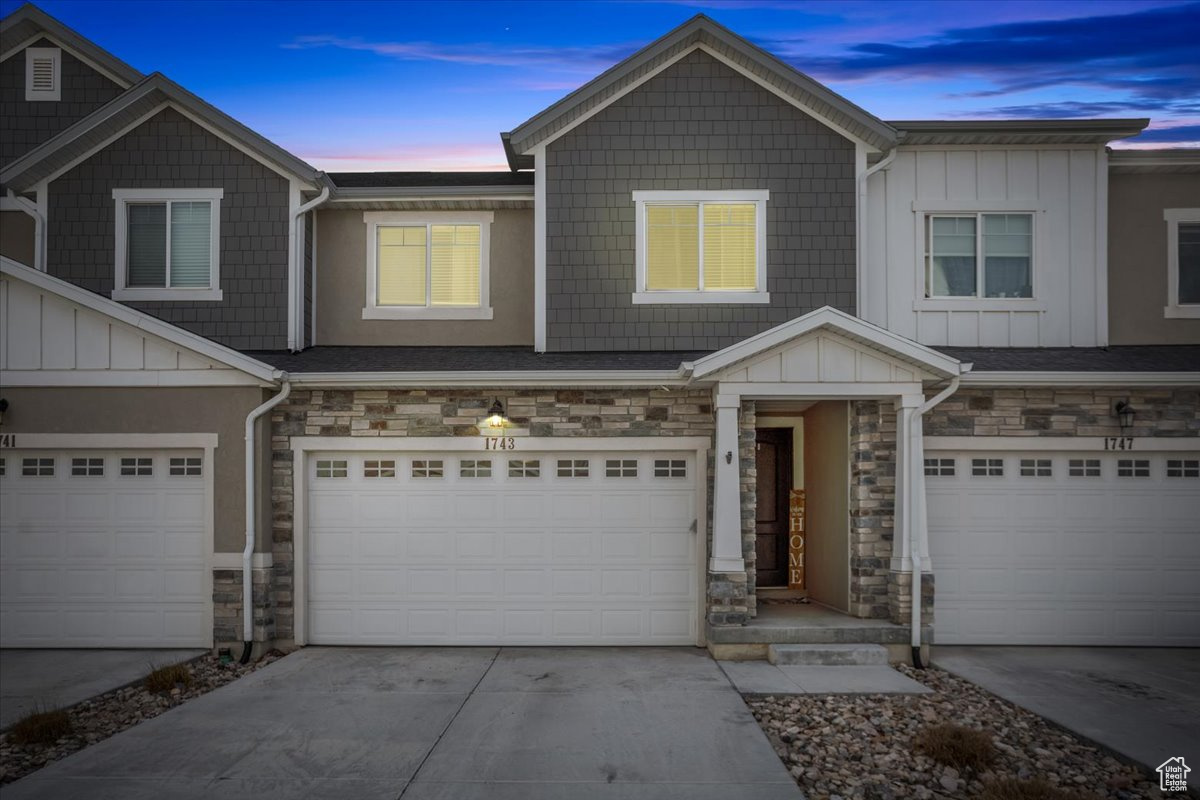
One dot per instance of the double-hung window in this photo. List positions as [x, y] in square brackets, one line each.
[167, 244]
[428, 265]
[701, 247]
[1183, 263]
[979, 255]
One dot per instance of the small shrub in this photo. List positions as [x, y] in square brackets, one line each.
[957, 746]
[1036, 789]
[164, 679]
[41, 727]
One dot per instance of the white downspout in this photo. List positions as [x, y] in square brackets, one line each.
[862, 282]
[916, 504]
[296, 335]
[39, 229]
[252, 518]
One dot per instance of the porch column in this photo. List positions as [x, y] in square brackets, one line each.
[726, 553]
[910, 478]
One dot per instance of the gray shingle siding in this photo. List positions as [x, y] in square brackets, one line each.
[171, 151]
[25, 125]
[697, 125]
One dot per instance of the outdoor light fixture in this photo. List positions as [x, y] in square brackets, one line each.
[1124, 413]
[3, 408]
[496, 416]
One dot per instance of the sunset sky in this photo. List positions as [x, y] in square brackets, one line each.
[429, 85]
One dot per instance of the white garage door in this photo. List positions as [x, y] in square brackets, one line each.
[103, 549]
[1065, 548]
[529, 548]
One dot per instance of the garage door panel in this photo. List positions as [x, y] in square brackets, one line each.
[1102, 559]
[579, 553]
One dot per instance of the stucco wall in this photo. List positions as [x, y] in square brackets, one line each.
[17, 236]
[826, 473]
[171, 151]
[25, 125]
[1137, 257]
[342, 288]
[160, 410]
[697, 125]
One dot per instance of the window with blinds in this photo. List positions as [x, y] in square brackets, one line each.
[169, 244]
[705, 246]
[428, 265]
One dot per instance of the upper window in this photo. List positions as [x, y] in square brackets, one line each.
[701, 247]
[43, 74]
[430, 265]
[1183, 263]
[979, 255]
[168, 244]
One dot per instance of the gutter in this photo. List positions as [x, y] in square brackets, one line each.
[1107, 378]
[252, 518]
[673, 377]
[296, 300]
[39, 229]
[916, 513]
[883, 163]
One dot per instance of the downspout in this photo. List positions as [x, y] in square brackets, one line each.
[39, 229]
[883, 163]
[916, 512]
[252, 518]
[297, 298]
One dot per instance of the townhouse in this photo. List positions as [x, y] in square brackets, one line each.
[724, 360]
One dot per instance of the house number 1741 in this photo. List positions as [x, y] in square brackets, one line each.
[499, 443]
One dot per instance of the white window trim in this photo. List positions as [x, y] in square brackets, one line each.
[376, 219]
[927, 302]
[55, 55]
[123, 292]
[642, 296]
[1174, 309]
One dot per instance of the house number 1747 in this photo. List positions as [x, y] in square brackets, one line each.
[1118, 442]
[499, 443]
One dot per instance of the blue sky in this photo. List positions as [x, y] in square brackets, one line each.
[418, 85]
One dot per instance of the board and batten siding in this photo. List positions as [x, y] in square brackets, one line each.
[1063, 187]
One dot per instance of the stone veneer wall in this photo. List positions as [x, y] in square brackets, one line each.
[1056, 411]
[872, 505]
[456, 412]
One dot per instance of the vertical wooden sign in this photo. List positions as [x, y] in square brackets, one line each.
[796, 512]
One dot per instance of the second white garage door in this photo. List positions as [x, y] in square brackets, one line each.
[520, 549]
[1065, 548]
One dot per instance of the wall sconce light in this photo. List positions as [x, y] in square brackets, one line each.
[3, 408]
[496, 418]
[1124, 413]
[728, 456]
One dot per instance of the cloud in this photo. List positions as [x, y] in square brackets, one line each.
[1149, 54]
[574, 59]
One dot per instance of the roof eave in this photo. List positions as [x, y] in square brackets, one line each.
[73, 41]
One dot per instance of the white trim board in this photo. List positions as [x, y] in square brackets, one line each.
[303, 446]
[533, 378]
[139, 377]
[1117, 379]
[1064, 444]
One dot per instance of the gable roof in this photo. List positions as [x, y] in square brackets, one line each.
[29, 22]
[830, 319]
[128, 109]
[698, 32]
[141, 321]
[1018, 131]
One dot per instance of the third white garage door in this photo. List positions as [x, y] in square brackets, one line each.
[521, 549]
[1065, 548]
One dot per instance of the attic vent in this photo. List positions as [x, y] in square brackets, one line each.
[43, 73]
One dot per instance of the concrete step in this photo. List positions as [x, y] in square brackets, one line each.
[827, 655]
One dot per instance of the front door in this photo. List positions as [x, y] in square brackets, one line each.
[773, 448]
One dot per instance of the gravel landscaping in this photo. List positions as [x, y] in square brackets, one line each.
[105, 715]
[862, 746]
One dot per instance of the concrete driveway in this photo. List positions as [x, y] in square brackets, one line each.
[37, 680]
[424, 723]
[1143, 703]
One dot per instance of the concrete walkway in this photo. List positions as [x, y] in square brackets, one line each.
[1141, 702]
[429, 723]
[38, 680]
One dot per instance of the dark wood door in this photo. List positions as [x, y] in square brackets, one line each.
[773, 449]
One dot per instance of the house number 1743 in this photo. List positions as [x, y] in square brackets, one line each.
[499, 443]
